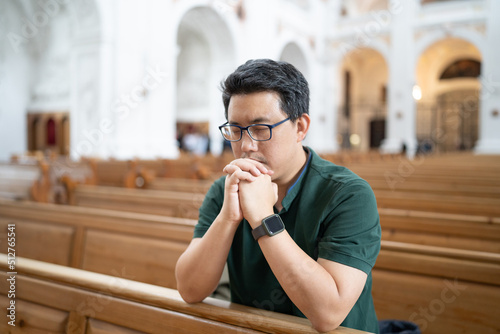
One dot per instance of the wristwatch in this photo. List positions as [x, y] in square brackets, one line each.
[271, 225]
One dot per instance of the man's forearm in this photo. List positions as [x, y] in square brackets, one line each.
[200, 267]
[309, 286]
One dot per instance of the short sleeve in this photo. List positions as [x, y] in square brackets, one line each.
[210, 207]
[352, 228]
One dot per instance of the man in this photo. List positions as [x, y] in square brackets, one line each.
[299, 234]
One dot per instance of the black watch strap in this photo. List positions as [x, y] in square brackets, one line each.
[259, 231]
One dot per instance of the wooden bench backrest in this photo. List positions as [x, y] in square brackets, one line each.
[166, 203]
[479, 271]
[440, 289]
[138, 246]
[67, 300]
[181, 185]
[479, 233]
[417, 226]
[467, 205]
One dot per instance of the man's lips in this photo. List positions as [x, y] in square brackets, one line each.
[261, 160]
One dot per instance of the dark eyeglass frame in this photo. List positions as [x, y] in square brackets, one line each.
[270, 126]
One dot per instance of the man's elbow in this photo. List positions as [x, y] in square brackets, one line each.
[189, 295]
[191, 300]
[326, 324]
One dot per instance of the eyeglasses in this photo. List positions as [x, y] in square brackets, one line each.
[258, 132]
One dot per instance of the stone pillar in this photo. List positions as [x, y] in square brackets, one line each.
[489, 117]
[161, 54]
[324, 84]
[401, 115]
[91, 94]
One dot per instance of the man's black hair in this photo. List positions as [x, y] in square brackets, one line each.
[266, 75]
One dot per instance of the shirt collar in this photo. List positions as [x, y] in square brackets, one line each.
[295, 187]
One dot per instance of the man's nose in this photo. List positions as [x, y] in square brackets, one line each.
[247, 143]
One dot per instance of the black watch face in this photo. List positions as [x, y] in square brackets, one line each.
[274, 224]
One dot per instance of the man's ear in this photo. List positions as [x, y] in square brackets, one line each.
[303, 123]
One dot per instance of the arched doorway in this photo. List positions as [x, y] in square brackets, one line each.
[205, 57]
[447, 111]
[293, 54]
[362, 110]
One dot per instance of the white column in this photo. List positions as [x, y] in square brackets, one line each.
[162, 54]
[144, 77]
[401, 120]
[324, 84]
[259, 30]
[16, 68]
[92, 125]
[489, 117]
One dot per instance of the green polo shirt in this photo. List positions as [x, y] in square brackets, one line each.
[331, 213]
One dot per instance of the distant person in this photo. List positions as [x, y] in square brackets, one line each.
[300, 235]
[195, 142]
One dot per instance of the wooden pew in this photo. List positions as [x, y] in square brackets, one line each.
[138, 173]
[475, 232]
[476, 171]
[181, 185]
[438, 188]
[442, 290]
[467, 205]
[139, 246]
[194, 185]
[376, 182]
[196, 167]
[58, 299]
[347, 157]
[120, 246]
[480, 233]
[66, 174]
[166, 203]
[422, 196]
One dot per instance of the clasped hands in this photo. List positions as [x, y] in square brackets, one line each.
[249, 191]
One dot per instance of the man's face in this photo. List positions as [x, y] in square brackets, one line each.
[264, 108]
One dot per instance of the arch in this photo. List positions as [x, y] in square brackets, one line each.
[437, 57]
[435, 36]
[206, 54]
[345, 49]
[463, 68]
[226, 15]
[448, 107]
[357, 8]
[363, 105]
[293, 54]
[204, 57]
